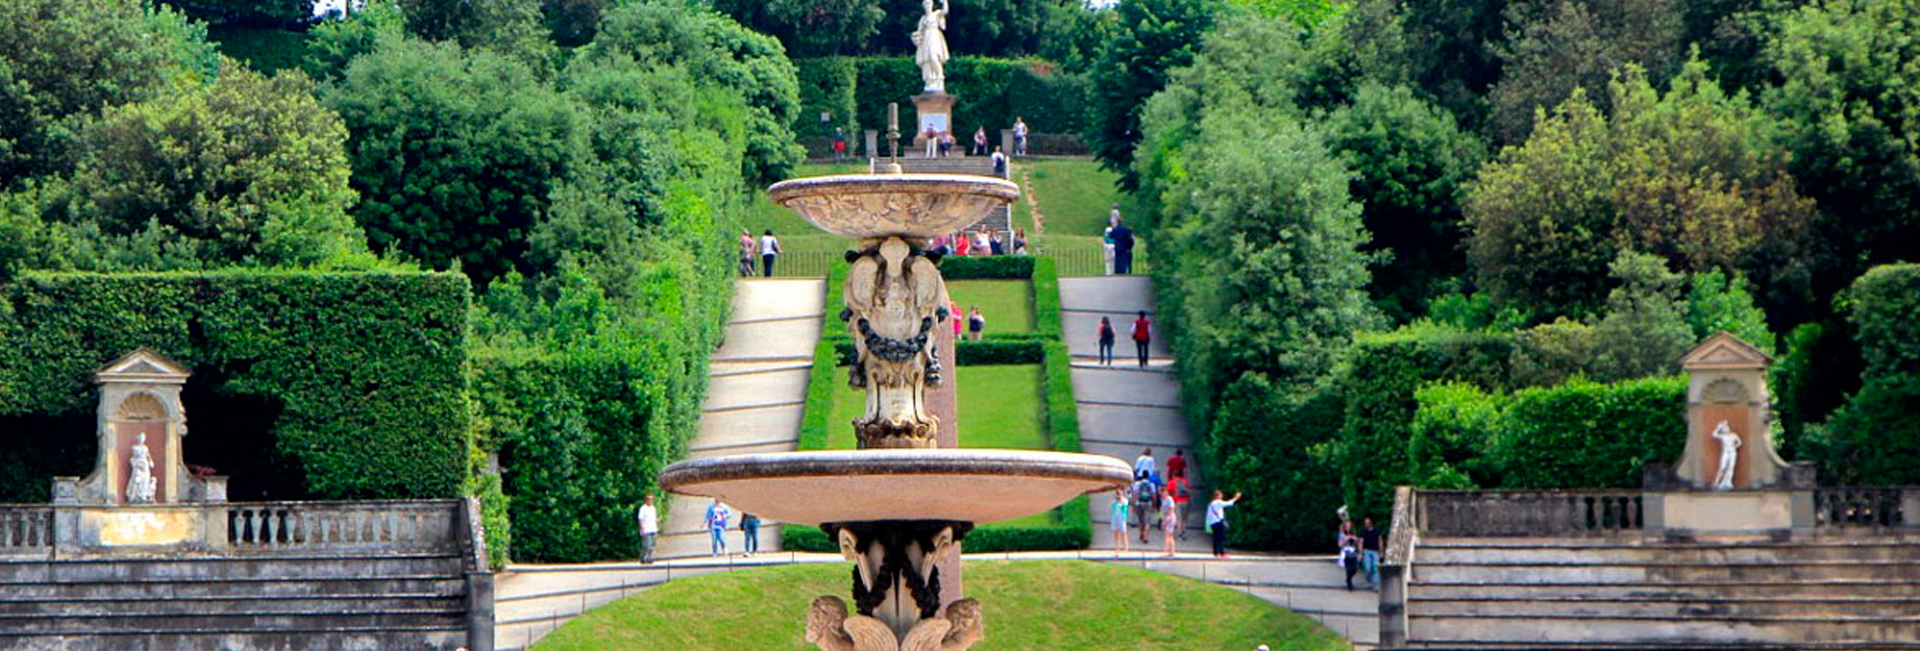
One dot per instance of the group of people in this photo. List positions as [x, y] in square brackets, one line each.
[1142, 335]
[1117, 244]
[981, 242]
[1152, 499]
[974, 322]
[1359, 552]
[942, 143]
[717, 520]
[766, 249]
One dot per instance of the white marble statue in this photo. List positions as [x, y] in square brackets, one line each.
[1729, 455]
[930, 46]
[140, 482]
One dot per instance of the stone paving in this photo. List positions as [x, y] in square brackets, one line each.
[1124, 408]
[756, 391]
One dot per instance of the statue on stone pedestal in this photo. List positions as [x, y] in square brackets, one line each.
[1729, 455]
[895, 298]
[140, 486]
[930, 46]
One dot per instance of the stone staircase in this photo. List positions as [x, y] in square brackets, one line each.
[310, 602]
[1844, 591]
[1000, 220]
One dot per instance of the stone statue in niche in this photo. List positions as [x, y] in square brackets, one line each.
[930, 46]
[1729, 455]
[140, 485]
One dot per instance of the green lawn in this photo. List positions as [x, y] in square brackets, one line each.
[1007, 304]
[1000, 408]
[796, 235]
[1075, 195]
[1052, 605]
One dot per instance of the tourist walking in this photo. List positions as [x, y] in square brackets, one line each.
[1179, 487]
[1019, 241]
[976, 323]
[980, 141]
[1117, 520]
[717, 514]
[953, 310]
[839, 143]
[1169, 518]
[1019, 137]
[1217, 521]
[750, 533]
[1349, 552]
[1177, 464]
[933, 142]
[1142, 336]
[769, 247]
[1106, 342]
[1145, 497]
[999, 163]
[1144, 465]
[1370, 553]
[1106, 249]
[747, 251]
[649, 519]
[1122, 246]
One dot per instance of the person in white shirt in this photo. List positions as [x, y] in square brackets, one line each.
[1144, 466]
[769, 247]
[649, 527]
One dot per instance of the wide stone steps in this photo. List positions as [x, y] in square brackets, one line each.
[1603, 552]
[1757, 589]
[187, 588]
[115, 606]
[1671, 607]
[1655, 573]
[188, 568]
[1657, 632]
[999, 221]
[221, 639]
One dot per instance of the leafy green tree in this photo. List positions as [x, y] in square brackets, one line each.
[62, 61]
[1149, 40]
[1559, 45]
[1448, 49]
[572, 23]
[1073, 34]
[335, 43]
[714, 47]
[250, 169]
[1846, 85]
[455, 152]
[1688, 175]
[1718, 301]
[1645, 330]
[812, 28]
[1411, 164]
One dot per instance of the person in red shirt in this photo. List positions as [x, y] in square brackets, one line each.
[1177, 466]
[1142, 335]
[1178, 487]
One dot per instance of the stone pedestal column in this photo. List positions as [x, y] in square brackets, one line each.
[944, 402]
[935, 111]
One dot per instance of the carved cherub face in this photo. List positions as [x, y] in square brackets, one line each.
[967, 624]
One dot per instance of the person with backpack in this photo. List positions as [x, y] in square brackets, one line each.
[1145, 498]
[1106, 342]
[1178, 488]
[1142, 335]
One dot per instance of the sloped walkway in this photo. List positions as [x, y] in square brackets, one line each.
[756, 390]
[1123, 407]
[533, 600]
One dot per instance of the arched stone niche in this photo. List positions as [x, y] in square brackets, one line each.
[1727, 382]
[140, 395]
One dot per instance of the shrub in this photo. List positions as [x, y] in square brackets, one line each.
[1550, 353]
[1884, 308]
[1452, 427]
[827, 86]
[1875, 438]
[1276, 447]
[1377, 386]
[367, 371]
[1820, 368]
[995, 267]
[1587, 435]
[982, 353]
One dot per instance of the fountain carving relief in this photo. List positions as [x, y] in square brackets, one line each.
[894, 297]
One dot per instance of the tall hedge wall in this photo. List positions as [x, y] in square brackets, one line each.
[583, 436]
[1576, 435]
[827, 85]
[991, 93]
[368, 370]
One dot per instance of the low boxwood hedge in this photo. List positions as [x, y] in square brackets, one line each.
[987, 267]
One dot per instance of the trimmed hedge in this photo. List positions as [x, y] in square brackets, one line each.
[987, 267]
[989, 92]
[1074, 524]
[969, 353]
[368, 371]
[1577, 435]
[827, 85]
[1377, 386]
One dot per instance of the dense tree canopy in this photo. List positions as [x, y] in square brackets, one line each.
[1149, 39]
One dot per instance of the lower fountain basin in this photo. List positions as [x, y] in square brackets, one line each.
[967, 485]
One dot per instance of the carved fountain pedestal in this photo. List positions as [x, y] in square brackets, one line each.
[900, 505]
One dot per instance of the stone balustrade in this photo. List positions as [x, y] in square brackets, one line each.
[327, 526]
[1529, 512]
[25, 529]
[1880, 506]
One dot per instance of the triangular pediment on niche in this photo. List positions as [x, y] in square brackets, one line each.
[143, 365]
[1724, 349]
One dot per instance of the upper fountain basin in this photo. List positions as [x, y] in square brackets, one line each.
[880, 205]
[966, 485]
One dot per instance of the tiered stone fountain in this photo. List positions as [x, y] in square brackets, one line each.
[899, 505]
